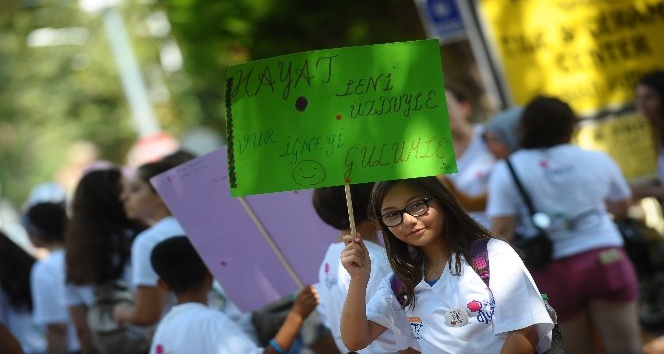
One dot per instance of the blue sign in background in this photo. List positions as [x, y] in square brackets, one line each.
[442, 19]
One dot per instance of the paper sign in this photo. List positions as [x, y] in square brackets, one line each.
[337, 116]
[627, 138]
[230, 242]
[588, 53]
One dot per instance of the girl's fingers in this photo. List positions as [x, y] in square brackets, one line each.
[352, 238]
[352, 258]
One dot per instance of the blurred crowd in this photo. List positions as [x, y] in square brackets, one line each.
[110, 229]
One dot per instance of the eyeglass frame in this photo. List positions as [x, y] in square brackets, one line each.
[404, 210]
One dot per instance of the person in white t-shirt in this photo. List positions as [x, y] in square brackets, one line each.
[97, 243]
[445, 306]
[16, 303]
[191, 326]
[330, 205]
[45, 224]
[591, 281]
[474, 160]
[142, 202]
[501, 138]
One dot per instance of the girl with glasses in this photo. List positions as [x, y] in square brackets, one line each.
[448, 307]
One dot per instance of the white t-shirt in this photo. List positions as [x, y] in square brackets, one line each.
[474, 167]
[194, 328]
[333, 281]
[219, 300]
[29, 334]
[47, 281]
[565, 182]
[437, 321]
[142, 272]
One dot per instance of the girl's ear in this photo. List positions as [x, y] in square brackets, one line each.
[162, 285]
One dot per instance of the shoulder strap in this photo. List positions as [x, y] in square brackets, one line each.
[524, 194]
[478, 250]
[398, 288]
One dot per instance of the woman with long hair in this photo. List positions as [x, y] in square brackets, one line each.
[98, 243]
[444, 305]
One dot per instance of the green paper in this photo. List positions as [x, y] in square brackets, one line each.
[337, 116]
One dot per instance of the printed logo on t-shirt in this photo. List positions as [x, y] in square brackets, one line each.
[550, 170]
[456, 317]
[483, 310]
[330, 280]
[481, 175]
[416, 326]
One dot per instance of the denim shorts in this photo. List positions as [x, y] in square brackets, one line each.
[600, 274]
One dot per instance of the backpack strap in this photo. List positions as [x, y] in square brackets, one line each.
[478, 250]
[398, 288]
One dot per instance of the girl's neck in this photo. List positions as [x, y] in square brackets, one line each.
[54, 247]
[436, 257]
[193, 296]
[159, 215]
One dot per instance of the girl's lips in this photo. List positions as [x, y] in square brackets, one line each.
[415, 232]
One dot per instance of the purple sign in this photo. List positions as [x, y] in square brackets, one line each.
[234, 235]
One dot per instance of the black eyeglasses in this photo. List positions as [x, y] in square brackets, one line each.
[416, 208]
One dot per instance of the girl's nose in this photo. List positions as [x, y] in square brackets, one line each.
[409, 219]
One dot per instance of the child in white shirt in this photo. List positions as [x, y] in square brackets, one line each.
[191, 326]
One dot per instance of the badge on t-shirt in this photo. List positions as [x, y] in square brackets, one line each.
[456, 317]
[415, 326]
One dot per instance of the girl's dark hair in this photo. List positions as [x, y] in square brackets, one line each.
[655, 81]
[151, 169]
[46, 221]
[459, 230]
[178, 264]
[546, 122]
[15, 267]
[99, 236]
[330, 204]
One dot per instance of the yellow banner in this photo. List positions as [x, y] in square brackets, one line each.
[589, 53]
[627, 138]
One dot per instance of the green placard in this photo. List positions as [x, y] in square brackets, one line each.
[337, 116]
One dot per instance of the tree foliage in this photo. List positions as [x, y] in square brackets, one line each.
[52, 96]
[214, 35]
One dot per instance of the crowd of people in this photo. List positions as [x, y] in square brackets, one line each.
[444, 278]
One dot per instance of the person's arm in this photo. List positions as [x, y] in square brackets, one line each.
[646, 188]
[522, 341]
[504, 227]
[618, 208]
[147, 309]
[48, 292]
[79, 315]
[56, 338]
[8, 343]
[305, 303]
[357, 331]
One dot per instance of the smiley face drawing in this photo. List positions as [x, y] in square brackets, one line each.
[308, 173]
